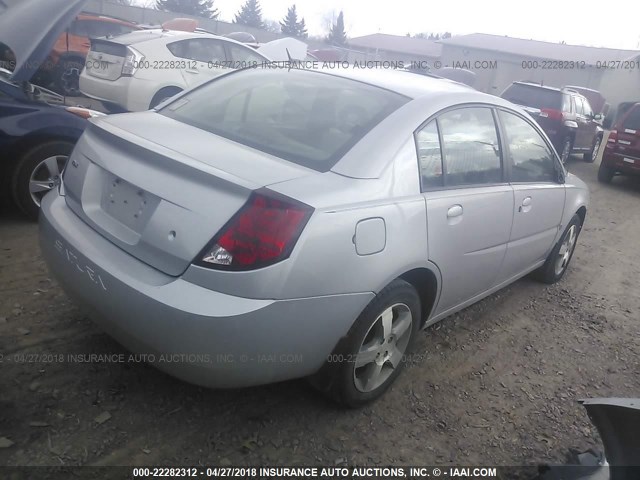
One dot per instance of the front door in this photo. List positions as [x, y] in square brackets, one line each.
[539, 196]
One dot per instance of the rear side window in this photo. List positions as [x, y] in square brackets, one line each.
[531, 159]
[470, 146]
[305, 117]
[632, 122]
[533, 96]
[429, 156]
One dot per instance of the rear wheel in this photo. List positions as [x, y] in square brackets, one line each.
[591, 156]
[371, 356]
[38, 171]
[565, 151]
[163, 95]
[558, 260]
[605, 174]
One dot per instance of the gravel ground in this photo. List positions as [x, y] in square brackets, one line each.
[494, 384]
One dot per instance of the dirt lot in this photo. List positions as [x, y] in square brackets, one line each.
[496, 384]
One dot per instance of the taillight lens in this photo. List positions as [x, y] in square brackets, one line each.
[263, 232]
[612, 140]
[131, 62]
[551, 114]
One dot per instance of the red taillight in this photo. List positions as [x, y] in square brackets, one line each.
[263, 232]
[612, 140]
[551, 114]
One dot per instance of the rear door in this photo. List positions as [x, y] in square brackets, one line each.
[583, 134]
[538, 194]
[628, 139]
[469, 205]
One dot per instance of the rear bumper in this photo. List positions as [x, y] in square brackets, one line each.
[198, 335]
[617, 162]
[118, 92]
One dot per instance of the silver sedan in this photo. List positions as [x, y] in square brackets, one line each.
[276, 224]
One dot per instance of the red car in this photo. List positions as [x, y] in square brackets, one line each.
[622, 152]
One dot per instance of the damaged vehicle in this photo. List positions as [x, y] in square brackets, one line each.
[37, 131]
[281, 223]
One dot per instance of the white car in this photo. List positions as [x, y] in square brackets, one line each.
[139, 70]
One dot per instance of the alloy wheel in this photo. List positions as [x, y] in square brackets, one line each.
[566, 249]
[383, 347]
[596, 147]
[46, 176]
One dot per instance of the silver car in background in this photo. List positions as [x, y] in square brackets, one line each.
[275, 224]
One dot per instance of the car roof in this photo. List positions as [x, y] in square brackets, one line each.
[104, 18]
[401, 81]
[147, 35]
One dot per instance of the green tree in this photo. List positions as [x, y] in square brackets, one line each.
[337, 36]
[250, 14]
[291, 26]
[198, 8]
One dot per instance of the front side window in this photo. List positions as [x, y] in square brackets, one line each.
[305, 117]
[579, 106]
[531, 158]
[470, 146]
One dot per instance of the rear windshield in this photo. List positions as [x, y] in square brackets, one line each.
[532, 96]
[305, 117]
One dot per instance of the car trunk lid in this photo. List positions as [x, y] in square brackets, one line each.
[164, 204]
[105, 59]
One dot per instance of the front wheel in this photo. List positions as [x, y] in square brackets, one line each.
[371, 356]
[558, 260]
[68, 82]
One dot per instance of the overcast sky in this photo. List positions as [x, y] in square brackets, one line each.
[576, 22]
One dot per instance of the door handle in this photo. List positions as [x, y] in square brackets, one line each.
[192, 70]
[454, 211]
[526, 205]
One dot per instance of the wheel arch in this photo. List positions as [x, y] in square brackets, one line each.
[427, 284]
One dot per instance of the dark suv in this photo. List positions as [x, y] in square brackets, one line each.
[564, 115]
[622, 151]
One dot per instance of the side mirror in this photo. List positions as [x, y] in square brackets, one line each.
[598, 117]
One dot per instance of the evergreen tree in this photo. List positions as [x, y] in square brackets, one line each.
[337, 36]
[198, 8]
[291, 26]
[250, 14]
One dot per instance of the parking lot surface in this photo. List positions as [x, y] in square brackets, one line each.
[495, 384]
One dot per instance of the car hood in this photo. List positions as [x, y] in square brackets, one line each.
[31, 27]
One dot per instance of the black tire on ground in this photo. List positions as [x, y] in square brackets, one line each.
[68, 77]
[24, 169]
[163, 95]
[592, 154]
[549, 272]
[605, 174]
[342, 377]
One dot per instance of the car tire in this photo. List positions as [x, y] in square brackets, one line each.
[558, 260]
[605, 174]
[565, 149]
[592, 154]
[68, 77]
[40, 167]
[382, 347]
[163, 95]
